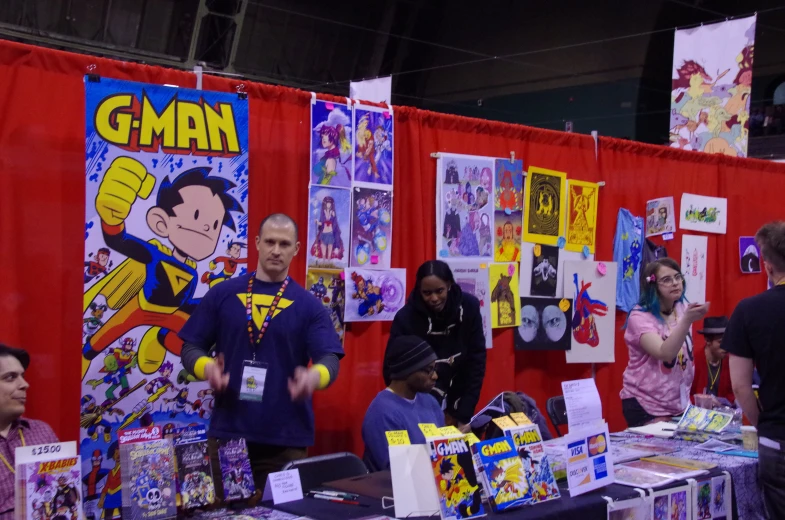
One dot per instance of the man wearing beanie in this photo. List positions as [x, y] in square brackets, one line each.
[404, 404]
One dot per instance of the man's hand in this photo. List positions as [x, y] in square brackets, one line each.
[214, 374]
[124, 181]
[303, 384]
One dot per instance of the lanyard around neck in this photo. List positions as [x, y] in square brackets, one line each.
[270, 311]
[5, 461]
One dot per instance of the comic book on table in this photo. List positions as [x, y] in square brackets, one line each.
[236, 472]
[503, 474]
[147, 473]
[528, 442]
[50, 489]
[194, 473]
[457, 483]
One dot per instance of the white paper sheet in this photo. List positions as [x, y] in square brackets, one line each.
[693, 266]
[583, 404]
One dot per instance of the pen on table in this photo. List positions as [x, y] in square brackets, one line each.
[336, 500]
[339, 494]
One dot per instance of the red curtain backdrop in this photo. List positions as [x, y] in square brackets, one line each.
[42, 217]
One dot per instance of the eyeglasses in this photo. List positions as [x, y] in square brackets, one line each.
[671, 280]
[429, 370]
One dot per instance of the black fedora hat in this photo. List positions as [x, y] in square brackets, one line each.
[714, 325]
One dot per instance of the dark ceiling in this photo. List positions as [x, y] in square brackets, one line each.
[603, 65]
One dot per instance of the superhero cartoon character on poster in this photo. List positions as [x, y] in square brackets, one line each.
[166, 179]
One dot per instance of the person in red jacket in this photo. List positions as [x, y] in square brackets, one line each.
[712, 375]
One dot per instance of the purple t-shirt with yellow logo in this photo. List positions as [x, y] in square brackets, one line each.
[300, 331]
[657, 385]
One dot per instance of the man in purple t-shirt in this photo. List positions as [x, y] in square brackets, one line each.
[15, 430]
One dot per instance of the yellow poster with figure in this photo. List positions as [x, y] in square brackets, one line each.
[166, 192]
[505, 296]
[543, 219]
[582, 200]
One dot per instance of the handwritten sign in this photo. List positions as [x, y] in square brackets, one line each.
[45, 452]
[397, 438]
[471, 438]
[504, 422]
[429, 430]
[520, 418]
[283, 487]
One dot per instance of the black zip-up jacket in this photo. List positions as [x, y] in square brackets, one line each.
[457, 337]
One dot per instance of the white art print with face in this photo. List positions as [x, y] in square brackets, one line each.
[473, 278]
[545, 324]
[693, 266]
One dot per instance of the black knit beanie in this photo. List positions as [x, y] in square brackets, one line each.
[406, 355]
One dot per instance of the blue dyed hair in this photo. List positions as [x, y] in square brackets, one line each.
[649, 300]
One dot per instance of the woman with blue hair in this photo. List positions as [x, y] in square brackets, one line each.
[658, 377]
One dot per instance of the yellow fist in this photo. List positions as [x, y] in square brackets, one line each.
[212, 265]
[125, 180]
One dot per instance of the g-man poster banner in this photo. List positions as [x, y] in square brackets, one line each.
[166, 180]
[711, 84]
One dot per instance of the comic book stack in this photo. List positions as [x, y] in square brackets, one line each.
[194, 474]
[235, 469]
[49, 489]
[503, 475]
[147, 472]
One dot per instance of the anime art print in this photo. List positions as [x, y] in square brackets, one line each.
[505, 295]
[371, 228]
[374, 295]
[711, 87]
[749, 255]
[593, 291]
[545, 324]
[508, 210]
[581, 215]
[660, 217]
[166, 176]
[331, 144]
[328, 227]
[701, 213]
[545, 270]
[543, 220]
[329, 287]
[373, 145]
[473, 278]
[464, 207]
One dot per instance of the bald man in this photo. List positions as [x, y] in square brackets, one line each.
[266, 329]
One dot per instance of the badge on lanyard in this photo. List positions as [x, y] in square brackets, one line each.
[255, 372]
[252, 385]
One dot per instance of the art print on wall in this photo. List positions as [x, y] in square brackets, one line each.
[328, 227]
[374, 295]
[693, 266]
[371, 227]
[545, 270]
[464, 205]
[705, 214]
[373, 145]
[527, 265]
[749, 255]
[593, 327]
[505, 302]
[660, 217]
[331, 144]
[508, 210]
[544, 216]
[545, 324]
[581, 215]
[473, 278]
[711, 87]
[327, 285]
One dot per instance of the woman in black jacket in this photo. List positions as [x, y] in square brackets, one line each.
[450, 321]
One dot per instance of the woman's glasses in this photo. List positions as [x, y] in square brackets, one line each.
[671, 280]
